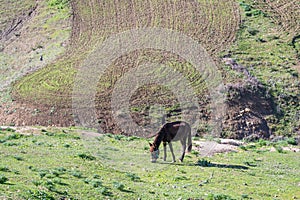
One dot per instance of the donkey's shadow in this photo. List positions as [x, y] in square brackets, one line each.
[204, 163]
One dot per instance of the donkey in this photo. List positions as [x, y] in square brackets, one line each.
[172, 131]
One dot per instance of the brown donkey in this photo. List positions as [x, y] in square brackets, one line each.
[168, 133]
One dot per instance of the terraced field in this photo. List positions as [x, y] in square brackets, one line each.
[95, 21]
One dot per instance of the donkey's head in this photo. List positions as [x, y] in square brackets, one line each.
[154, 152]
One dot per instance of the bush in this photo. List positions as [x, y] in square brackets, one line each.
[292, 141]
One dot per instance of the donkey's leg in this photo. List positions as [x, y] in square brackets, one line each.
[165, 151]
[171, 149]
[183, 143]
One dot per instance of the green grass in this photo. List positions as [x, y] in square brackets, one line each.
[119, 167]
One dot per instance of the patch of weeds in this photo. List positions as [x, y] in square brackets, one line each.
[96, 176]
[243, 147]
[67, 145]
[262, 143]
[8, 129]
[19, 158]
[59, 181]
[76, 174]
[39, 194]
[146, 148]
[14, 136]
[61, 170]
[76, 137]
[119, 186]
[119, 137]
[252, 31]
[3, 179]
[260, 151]
[196, 153]
[86, 156]
[37, 183]
[4, 169]
[251, 146]
[96, 183]
[219, 197]
[45, 132]
[180, 178]
[10, 144]
[56, 173]
[104, 191]
[279, 149]
[133, 176]
[43, 173]
[50, 176]
[292, 141]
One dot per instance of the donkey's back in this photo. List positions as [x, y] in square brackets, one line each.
[174, 131]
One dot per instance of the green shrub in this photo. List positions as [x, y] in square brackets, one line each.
[291, 141]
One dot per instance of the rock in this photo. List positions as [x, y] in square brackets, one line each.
[252, 138]
[277, 138]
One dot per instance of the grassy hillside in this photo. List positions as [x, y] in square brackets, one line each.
[263, 36]
[268, 46]
[63, 164]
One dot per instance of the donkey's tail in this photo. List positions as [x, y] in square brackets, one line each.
[189, 149]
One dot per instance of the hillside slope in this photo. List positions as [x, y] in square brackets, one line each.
[260, 37]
